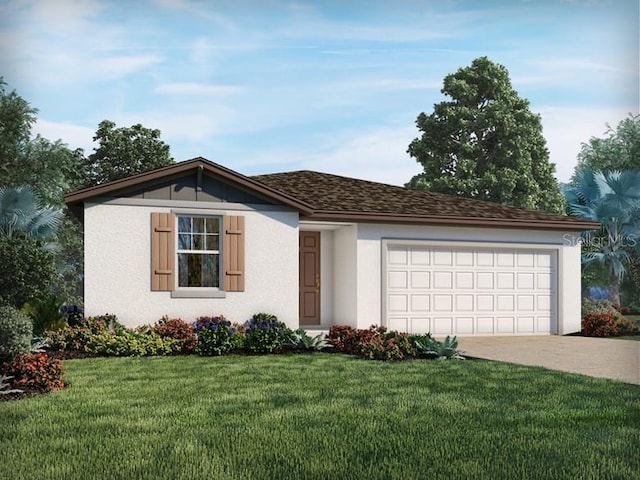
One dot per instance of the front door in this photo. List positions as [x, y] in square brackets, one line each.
[309, 278]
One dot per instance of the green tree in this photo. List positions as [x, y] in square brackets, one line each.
[613, 199]
[51, 169]
[28, 270]
[125, 151]
[618, 150]
[16, 119]
[485, 143]
[21, 212]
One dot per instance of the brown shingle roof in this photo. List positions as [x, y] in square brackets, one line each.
[336, 197]
[321, 196]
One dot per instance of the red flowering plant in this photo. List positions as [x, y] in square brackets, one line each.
[34, 372]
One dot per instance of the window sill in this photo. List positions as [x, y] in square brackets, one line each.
[198, 293]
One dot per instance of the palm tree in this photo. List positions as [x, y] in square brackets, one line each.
[613, 199]
[22, 213]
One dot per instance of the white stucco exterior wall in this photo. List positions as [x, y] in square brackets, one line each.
[118, 256]
[368, 298]
[346, 276]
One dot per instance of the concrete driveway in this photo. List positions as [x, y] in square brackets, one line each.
[595, 357]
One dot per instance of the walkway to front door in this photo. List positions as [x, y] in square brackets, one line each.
[309, 278]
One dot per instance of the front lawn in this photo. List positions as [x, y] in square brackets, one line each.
[322, 416]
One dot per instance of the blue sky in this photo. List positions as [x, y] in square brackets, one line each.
[266, 86]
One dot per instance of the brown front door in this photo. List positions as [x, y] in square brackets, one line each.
[309, 278]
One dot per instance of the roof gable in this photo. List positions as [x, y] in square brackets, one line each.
[195, 179]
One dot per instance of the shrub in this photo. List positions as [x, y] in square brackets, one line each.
[216, 336]
[76, 339]
[264, 333]
[599, 324]
[300, 340]
[343, 338]
[590, 305]
[132, 344]
[45, 314]
[429, 347]
[27, 270]
[73, 314]
[34, 372]
[377, 343]
[179, 330]
[15, 332]
[622, 310]
[626, 326]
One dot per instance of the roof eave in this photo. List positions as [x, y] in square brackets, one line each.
[80, 196]
[453, 221]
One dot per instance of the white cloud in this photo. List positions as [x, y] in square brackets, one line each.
[75, 136]
[377, 154]
[197, 89]
[120, 66]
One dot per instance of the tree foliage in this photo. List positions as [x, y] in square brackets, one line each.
[28, 270]
[485, 143]
[51, 169]
[618, 150]
[125, 151]
[21, 212]
[613, 199]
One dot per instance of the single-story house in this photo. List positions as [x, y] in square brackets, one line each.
[196, 238]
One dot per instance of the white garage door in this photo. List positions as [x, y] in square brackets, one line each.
[470, 291]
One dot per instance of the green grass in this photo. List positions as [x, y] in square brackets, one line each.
[323, 416]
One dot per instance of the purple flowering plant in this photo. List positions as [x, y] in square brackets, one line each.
[265, 333]
[216, 336]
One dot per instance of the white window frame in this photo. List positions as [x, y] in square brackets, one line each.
[206, 291]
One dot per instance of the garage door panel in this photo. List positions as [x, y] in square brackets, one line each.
[525, 325]
[443, 258]
[420, 302]
[398, 257]
[420, 256]
[506, 281]
[420, 325]
[544, 324]
[442, 302]
[398, 303]
[485, 280]
[525, 281]
[398, 279]
[485, 325]
[464, 280]
[420, 279]
[464, 258]
[401, 324]
[443, 280]
[505, 325]
[464, 325]
[481, 291]
[442, 326]
[505, 303]
[464, 303]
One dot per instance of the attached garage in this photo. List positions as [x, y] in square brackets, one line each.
[470, 289]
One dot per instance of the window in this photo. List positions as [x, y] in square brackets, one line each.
[186, 251]
[198, 251]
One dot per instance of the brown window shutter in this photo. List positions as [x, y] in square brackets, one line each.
[233, 255]
[163, 251]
